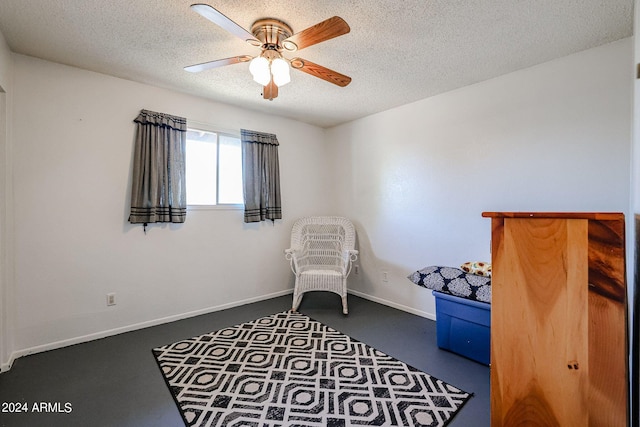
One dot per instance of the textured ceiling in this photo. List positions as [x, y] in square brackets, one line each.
[398, 51]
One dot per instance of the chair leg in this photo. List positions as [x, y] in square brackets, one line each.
[345, 310]
[297, 299]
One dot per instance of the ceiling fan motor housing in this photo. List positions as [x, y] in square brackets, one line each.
[271, 32]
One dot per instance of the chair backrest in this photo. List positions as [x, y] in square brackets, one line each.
[323, 240]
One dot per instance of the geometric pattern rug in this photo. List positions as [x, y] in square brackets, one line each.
[289, 370]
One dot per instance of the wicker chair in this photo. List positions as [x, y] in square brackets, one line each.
[321, 254]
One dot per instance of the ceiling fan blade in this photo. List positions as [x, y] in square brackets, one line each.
[325, 30]
[219, 19]
[270, 91]
[321, 72]
[218, 63]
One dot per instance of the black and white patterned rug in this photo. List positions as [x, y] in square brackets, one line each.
[289, 370]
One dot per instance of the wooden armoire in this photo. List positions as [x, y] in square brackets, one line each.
[559, 342]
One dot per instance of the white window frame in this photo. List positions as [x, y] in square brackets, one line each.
[194, 125]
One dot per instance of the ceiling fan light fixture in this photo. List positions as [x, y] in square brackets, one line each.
[280, 72]
[259, 68]
[273, 36]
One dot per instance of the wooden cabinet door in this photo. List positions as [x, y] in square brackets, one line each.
[558, 321]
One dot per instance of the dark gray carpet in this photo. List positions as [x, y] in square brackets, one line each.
[115, 381]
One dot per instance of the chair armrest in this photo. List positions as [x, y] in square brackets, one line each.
[292, 255]
[348, 257]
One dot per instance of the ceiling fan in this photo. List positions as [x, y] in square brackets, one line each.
[270, 68]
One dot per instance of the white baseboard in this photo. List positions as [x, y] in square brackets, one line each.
[103, 334]
[6, 366]
[383, 301]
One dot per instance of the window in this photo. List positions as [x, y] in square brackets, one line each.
[213, 168]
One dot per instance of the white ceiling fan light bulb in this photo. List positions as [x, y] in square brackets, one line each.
[280, 71]
[258, 64]
[262, 79]
[259, 68]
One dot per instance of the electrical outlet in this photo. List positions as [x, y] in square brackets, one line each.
[356, 269]
[385, 276]
[111, 299]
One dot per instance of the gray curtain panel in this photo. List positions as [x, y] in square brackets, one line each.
[158, 192]
[261, 176]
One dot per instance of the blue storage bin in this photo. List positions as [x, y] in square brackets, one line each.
[463, 326]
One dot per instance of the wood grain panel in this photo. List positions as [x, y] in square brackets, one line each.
[322, 31]
[539, 324]
[608, 379]
[321, 72]
[607, 274]
[608, 349]
[497, 317]
[559, 344]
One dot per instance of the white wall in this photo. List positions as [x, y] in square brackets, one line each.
[6, 333]
[635, 200]
[73, 142]
[5, 63]
[415, 179]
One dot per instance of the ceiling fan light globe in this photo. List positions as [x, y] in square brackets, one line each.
[259, 68]
[262, 80]
[281, 80]
[258, 65]
[280, 71]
